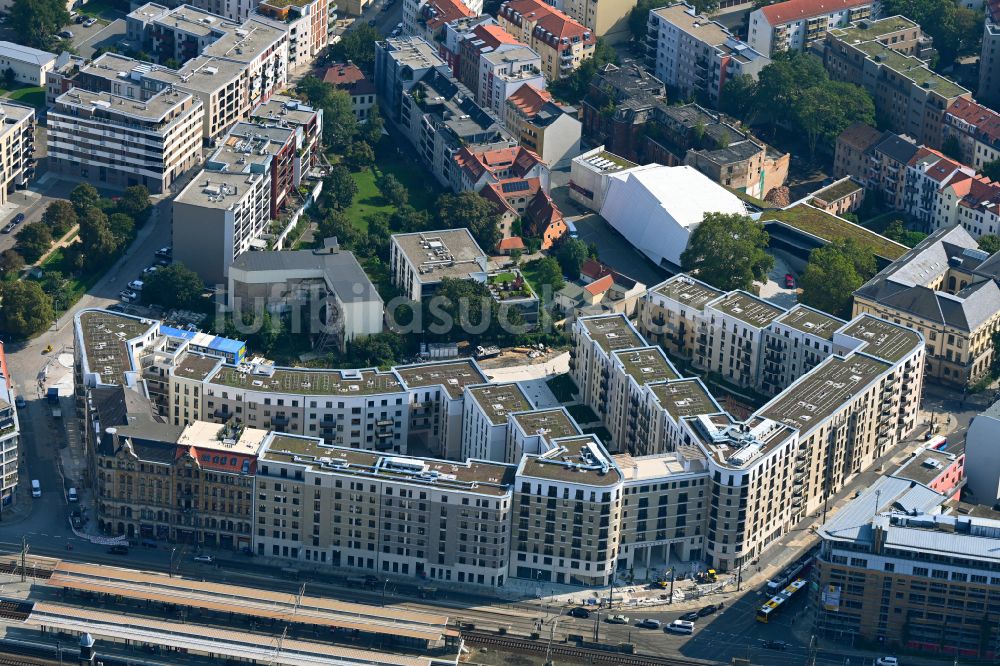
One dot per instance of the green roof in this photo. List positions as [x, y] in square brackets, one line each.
[873, 29]
[838, 190]
[831, 228]
[911, 68]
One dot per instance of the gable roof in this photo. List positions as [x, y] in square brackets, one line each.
[599, 286]
[860, 136]
[27, 54]
[794, 10]
[542, 212]
[529, 100]
[985, 122]
[492, 35]
[516, 158]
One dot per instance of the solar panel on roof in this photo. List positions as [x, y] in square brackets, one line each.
[516, 186]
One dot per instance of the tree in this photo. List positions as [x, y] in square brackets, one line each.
[359, 155]
[952, 147]
[392, 189]
[471, 211]
[408, 218]
[727, 251]
[173, 286]
[378, 237]
[989, 243]
[33, 241]
[638, 18]
[830, 278]
[84, 196]
[574, 87]
[570, 254]
[9, 77]
[358, 46]
[371, 129]
[899, 233]
[956, 30]
[376, 351]
[135, 203]
[822, 112]
[549, 273]
[340, 186]
[782, 82]
[36, 21]
[98, 243]
[339, 123]
[11, 261]
[60, 217]
[26, 309]
[739, 97]
[336, 223]
[992, 170]
[464, 304]
[122, 227]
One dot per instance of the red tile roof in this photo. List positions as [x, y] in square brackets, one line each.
[512, 243]
[794, 10]
[985, 120]
[594, 269]
[541, 213]
[439, 12]
[343, 74]
[557, 24]
[493, 35]
[600, 286]
[517, 159]
[529, 100]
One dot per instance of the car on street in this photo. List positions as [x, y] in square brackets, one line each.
[18, 219]
[9, 228]
[776, 645]
[149, 270]
[707, 610]
[680, 627]
[72, 496]
[118, 550]
[89, 22]
[789, 281]
[887, 661]
[207, 559]
[648, 623]
[690, 617]
[65, 34]
[165, 252]
[135, 285]
[579, 612]
[127, 295]
[617, 619]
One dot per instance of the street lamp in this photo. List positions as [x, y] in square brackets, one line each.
[170, 570]
[384, 585]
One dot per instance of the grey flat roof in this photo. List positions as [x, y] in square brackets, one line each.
[104, 337]
[688, 291]
[646, 365]
[499, 401]
[748, 308]
[435, 255]
[884, 340]
[453, 375]
[685, 397]
[580, 459]
[612, 332]
[814, 322]
[340, 269]
[548, 423]
[216, 189]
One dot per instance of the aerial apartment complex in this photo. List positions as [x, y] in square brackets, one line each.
[17, 148]
[9, 434]
[562, 42]
[794, 25]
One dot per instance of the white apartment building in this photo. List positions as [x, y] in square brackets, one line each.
[533, 431]
[502, 71]
[309, 24]
[119, 141]
[227, 212]
[419, 261]
[17, 147]
[431, 519]
[9, 434]
[30, 66]
[695, 56]
[794, 25]
[486, 414]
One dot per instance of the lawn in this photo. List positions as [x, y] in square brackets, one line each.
[582, 414]
[106, 9]
[368, 200]
[76, 285]
[562, 387]
[31, 96]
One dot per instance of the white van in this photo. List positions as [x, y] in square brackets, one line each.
[681, 627]
[36, 488]
[72, 496]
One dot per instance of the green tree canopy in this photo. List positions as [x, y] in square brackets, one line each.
[11, 261]
[376, 351]
[173, 286]
[548, 273]
[956, 30]
[24, 308]
[33, 241]
[739, 97]
[992, 170]
[336, 223]
[340, 186]
[823, 111]
[371, 130]
[135, 203]
[833, 274]
[60, 217]
[84, 196]
[727, 251]
[570, 254]
[98, 243]
[471, 211]
[36, 21]
[122, 227]
[392, 189]
[359, 155]
[574, 87]
[358, 46]
[782, 82]
[339, 123]
[989, 243]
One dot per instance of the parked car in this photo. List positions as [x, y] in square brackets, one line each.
[89, 22]
[707, 610]
[887, 661]
[165, 252]
[617, 619]
[207, 559]
[65, 34]
[690, 617]
[118, 550]
[649, 624]
[9, 228]
[579, 612]
[18, 219]
[72, 496]
[149, 270]
[776, 645]
[78, 18]
[789, 281]
[135, 285]
[128, 296]
[680, 627]
[36, 488]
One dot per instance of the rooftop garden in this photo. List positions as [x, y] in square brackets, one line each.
[831, 228]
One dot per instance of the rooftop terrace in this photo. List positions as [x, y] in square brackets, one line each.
[579, 459]
[688, 291]
[612, 332]
[814, 322]
[498, 401]
[307, 382]
[821, 392]
[646, 365]
[748, 308]
[104, 337]
[863, 31]
[686, 397]
[453, 375]
[471, 476]
[196, 366]
[550, 424]
[885, 340]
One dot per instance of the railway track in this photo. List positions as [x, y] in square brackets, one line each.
[578, 655]
[31, 571]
